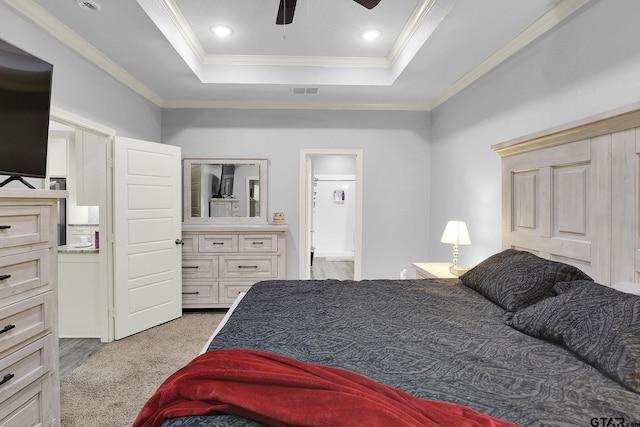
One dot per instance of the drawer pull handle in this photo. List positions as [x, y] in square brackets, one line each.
[4, 227]
[7, 328]
[247, 266]
[5, 276]
[258, 243]
[190, 266]
[218, 243]
[7, 378]
[191, 293]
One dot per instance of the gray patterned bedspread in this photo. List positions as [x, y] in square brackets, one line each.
[435, 339]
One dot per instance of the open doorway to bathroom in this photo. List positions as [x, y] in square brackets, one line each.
[331, 214]
[333, 217]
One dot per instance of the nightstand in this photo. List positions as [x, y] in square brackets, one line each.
[433, 270]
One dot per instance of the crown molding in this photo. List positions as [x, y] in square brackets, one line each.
[296, 61]
[181, 23]
[549, 20]
[72, 40]
[419, 14]
[68, 37]
[292, 105]
[415, 20]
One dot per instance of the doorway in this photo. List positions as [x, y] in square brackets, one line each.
[337, 252]
[104, 293]
[148, 199]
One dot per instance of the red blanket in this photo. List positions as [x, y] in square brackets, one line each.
[280, 391]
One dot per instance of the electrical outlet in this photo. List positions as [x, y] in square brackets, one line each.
[403, 273]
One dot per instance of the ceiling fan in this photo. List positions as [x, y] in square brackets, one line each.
[288, 7]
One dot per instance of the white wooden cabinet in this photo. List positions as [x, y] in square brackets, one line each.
[219, 262]
[79, 314]
[58, 155]
[224, 207]
[90, 161]
[29, 380]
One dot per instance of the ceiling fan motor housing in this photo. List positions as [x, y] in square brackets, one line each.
[288, 7]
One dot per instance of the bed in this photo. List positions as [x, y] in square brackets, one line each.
[442, 339]
[534, 335]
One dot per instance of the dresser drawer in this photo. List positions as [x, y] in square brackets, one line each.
[24, 320]
[32, 407]
[24, 366]
[194, 267]
[23, 272]
[190, 243]
[229, 291]
[248, 266]
[196, 294]
[222, 243]
[258, 243]
[24, 225]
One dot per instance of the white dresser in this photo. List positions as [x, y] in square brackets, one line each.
[220, 261]
[29, 379]
[224, 207]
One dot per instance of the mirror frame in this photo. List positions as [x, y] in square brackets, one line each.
[187, 162]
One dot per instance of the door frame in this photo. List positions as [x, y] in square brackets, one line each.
[105, 221]
[305, 202]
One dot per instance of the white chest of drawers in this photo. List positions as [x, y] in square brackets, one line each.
[219, 262]
[29, 380]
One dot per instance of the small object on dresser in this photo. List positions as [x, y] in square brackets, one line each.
[278, 218]
[97, 240]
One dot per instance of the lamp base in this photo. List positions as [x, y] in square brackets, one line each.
[457, 271]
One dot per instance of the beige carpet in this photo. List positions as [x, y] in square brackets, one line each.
[111, 387]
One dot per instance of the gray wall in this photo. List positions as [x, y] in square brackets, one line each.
[80, 87]
[420, 169]
[395, 155]
[589, 65]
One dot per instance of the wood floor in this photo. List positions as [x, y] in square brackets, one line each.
[324, 268]
[74, 351]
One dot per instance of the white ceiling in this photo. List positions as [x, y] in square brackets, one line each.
[428, 52]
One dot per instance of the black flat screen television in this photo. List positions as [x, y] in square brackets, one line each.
[25, 102]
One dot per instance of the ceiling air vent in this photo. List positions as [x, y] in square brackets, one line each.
[89, 5]
[304, 90]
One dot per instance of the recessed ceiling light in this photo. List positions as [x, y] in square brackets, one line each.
[371, 34]
[221, 30]
[89, 5]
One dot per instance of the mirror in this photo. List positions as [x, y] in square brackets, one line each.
[225, 190]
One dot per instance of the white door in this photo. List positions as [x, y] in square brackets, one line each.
[147, 231]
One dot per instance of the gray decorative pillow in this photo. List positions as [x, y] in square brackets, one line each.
[597, 323]
[515, 279]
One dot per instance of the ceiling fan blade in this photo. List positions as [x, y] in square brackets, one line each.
[286, 11]
[369, 4]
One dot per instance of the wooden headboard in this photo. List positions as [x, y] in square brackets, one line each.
[571, 194]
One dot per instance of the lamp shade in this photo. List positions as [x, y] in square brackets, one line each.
[456, 233]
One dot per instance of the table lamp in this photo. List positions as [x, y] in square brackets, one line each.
[456, 233]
